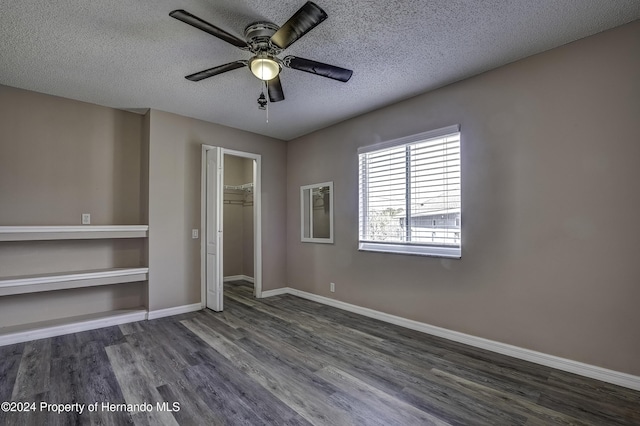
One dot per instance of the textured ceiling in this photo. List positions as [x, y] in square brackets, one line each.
[131, 54]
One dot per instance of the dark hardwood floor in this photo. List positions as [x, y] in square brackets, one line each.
[289, 361]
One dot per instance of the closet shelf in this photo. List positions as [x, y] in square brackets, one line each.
[67, 280]
[244, 187]
[42, 329]
[79, 232]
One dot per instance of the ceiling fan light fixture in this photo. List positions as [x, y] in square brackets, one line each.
[266, 40]
[264, 67]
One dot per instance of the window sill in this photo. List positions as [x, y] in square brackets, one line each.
[448, 252]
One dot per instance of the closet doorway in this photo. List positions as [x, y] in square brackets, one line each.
[237, 223]
[231, 223]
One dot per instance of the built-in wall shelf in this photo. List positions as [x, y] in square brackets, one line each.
[79, 232]
[67, 280]
[58, 327]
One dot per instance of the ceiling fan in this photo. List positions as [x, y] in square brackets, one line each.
[265, 41]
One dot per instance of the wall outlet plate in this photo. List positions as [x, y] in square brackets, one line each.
[86, 219]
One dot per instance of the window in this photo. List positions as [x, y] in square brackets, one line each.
[410, 195]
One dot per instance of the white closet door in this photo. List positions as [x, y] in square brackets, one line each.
[213, 232]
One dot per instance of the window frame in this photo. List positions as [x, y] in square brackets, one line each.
[404, 247]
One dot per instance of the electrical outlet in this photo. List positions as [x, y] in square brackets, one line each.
[194, 234]
[86, 219]
[332, 287]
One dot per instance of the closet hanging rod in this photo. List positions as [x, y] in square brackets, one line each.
[245, 186]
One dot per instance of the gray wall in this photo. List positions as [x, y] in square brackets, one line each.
[174, 204]
[247, 223]
[550, 157]
[247, 240]
[60, 158]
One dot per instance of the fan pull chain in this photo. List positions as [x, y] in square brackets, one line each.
[263, 101]
[268, 100]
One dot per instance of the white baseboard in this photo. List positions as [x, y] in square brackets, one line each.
[582, 369]
[231, 278]
[276, 292]
[176, 310]
[53, 328]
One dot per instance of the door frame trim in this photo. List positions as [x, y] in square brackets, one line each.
[257, 217]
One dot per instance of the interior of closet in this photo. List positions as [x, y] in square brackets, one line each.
[238, 238]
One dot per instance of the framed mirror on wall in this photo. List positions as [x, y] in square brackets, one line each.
[316, 210]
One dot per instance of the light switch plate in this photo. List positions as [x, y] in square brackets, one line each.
[86, 219]
[194, 234]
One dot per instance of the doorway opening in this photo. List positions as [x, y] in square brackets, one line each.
[231, 223]
[237, 223]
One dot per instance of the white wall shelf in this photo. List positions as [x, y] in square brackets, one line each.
[25, 284]
[80, 232]
[43, 329]
[68, 280]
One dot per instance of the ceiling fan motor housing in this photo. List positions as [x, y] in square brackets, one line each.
[258, 36]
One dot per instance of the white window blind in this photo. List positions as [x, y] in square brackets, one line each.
[410, 199]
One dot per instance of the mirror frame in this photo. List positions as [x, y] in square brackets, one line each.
[309, 212]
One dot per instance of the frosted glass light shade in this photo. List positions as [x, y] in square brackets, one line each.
[264, 68]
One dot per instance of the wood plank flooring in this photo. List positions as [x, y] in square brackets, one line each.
[290, 361]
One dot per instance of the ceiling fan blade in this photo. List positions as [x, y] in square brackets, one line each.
[216, 70]
[275, 90]
[303, 21]
[318, 68]
[194, 21]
